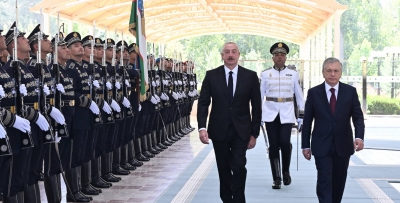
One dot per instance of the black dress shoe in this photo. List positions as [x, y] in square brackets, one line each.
[100, 183]
[141, 157]
[286, 178]
[153, 151]
[167, 143]
[94, 188]
[90, 197]
[277, 184]
[135, 162]
[157, 148]
[160, 145]
[128, 167]
[148, 154]
[120, 171]
[119, 178]
[87, 190]
[78, 197]
[110, 178]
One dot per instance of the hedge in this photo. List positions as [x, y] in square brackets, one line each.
[378, 105]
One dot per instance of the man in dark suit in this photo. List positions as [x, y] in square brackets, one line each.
[231, 126]
[332, 105]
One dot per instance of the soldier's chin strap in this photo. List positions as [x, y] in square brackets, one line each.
[62, 171]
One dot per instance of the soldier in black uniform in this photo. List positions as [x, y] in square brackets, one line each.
[32, 193]
[120, 150]
[85, 109]
[107, 117]
[13, 124]
[134, 99]
[20, 171]
[62, 148]
[97, 122]
[188, 89]
[112, 128]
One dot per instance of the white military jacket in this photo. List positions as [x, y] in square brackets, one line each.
[277, 89]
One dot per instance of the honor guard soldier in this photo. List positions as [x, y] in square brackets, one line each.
[134, 99]
[27, 104]
[39, 69]
[57, 156]
[107, 116]
[88, 65]
[10, 127]
[188, 86]
[121, 150]
[85, 109]
[278, 85]
[107, 172]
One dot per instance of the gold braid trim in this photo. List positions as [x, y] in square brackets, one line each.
[84, 101]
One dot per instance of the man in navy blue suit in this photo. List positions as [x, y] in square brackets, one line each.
[332, 105]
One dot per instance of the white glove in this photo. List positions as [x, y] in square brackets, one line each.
[2, 93]
[58, 139]
[127, 83]
[22, 124]
[158, 83]
[179, 82]
[46, 90]
[179, 95]
[42, 123]
[153, 100]
[153, 84]
[96, 83]
[60, 88]
[107, 108]
[22, 90]
[94, 108]
[140, 107]
[175, 96]
[157, 97]
[57, 116]
[299, 124]
[191, 83]
[114, 105]
[117, 85]
[176, 82]
[2, 132]
[126, 102]
[109, 86]
[165, 82]
[163, 97]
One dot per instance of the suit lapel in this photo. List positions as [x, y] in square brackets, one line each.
[340, 97]
[324, 98]
[222, 81]
[239, 81]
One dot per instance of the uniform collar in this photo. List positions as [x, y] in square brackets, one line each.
[279, 69]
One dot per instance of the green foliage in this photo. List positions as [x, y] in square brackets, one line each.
[378, 105]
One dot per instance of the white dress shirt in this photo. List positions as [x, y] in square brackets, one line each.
[329, 93]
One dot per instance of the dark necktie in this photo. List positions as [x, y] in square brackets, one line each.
[230, 86]
[332, 101]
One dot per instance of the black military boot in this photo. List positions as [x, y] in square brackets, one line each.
[165, 133]
[97, 181]
[145, 151]
[138, 151]
[124, 159]
[276, 173]
[51, 187]
[73, 182]
[111, 158]
[32, 194]
[286, 157]
[86, 179]
[155, 141]
[188, 122]
[177, 130]
[150, 144]
[184, 125]
[106, 169]
[131, 155]
[116, 168]
[172, 133]
[160, 139]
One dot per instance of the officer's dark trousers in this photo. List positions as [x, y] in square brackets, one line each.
[279, 138]
[19, 172]
[230, 155]
[128, 129]
[78, 147]
[5, 162]
[91, 143]
[36, 157]
[101, 144]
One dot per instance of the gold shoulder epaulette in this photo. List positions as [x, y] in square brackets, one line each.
[291, 67]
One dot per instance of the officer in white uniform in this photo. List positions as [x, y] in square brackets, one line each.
[279, 89]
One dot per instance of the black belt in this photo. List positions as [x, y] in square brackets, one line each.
[68, 103]
[275, 99]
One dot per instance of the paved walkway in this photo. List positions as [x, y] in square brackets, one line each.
[186, 172]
